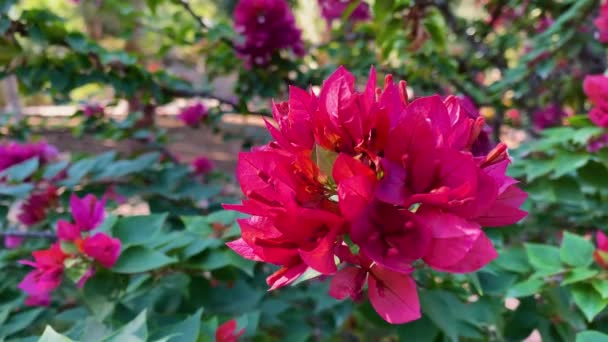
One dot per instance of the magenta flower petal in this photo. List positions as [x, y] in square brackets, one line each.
[102, 248]
[88, 212]
[481, 254]
[452, 239]
[348, 282]
[285, 276]
[393, 295]
[354, 196]
[321, 257]
[240, 247]
[67, 231]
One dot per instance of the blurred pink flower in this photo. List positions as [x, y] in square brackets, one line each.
[34, 209]
[193, 114]
[596, 89]
[601, 23]
[601, 253]
[598, 143]
[334, 9]
[14, 153]
[202, 165]
[11, 242]
[549, 116]
[227, 332]
[93, 110]
[266, 26]
[46, 276]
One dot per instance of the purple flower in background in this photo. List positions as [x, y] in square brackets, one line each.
[193, 114]
[483, 145]
[11, 242]
[266, 26]
[93, 110]
[33, 210]
[596, 144]
[334, 9]
[601, 23]
[14, 153]
[202, 165]
[549, 116]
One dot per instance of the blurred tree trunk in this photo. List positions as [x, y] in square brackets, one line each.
[11, 94]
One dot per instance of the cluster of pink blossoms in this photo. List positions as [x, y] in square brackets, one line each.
[77, 248]
[202, 165]
[334, 9]
[397, 177]
[227, 332]
[600, 255]
[91, 110]
[549, 116]
[32, 210]
[14, 153]
[193, 114]
[266, 26]
[596, 89]
[601, 23]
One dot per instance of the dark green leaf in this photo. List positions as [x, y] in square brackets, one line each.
[138, 259]
[576, 251]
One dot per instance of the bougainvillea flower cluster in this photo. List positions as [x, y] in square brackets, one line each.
[596, 89]
[549, 116]
[202, 165]
[334, 10]
[33, 210]
[361, 185]
[91, 110]
[76, 253]
[14, 153]
[266, 27]
[601, 22]
[193, 114]
[600, 255]
[227, 332]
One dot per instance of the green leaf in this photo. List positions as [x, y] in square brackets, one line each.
[588, 300]
[19, 190]
[134, 331]
[420, 330]
[568, 190]
[591, 336]
[20, 172]
[526, 288]
[52, 170]
[184, 331]
[601, 286]
[138, 230]
[578, 274]
[543, 257]
[123, 168]
[50, 335]
[219, 258]
[567, 162]
[138, 259]
[576, 251]
[20, 321]
[514, 260]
